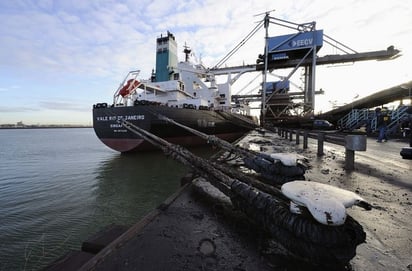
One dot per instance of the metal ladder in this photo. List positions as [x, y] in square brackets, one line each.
[354, 119]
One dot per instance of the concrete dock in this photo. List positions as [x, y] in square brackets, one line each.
[198, 230]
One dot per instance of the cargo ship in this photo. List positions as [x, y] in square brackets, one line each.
[185, 92]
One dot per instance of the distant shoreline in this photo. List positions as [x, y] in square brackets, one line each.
[45, 126]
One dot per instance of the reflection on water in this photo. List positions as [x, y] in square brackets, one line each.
[127, 186]
[60, 186]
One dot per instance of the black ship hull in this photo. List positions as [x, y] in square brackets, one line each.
[107, 128]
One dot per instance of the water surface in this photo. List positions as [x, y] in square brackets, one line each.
[59, 186]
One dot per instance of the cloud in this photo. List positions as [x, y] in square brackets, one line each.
[65, 106]
[10, 88]
[46, 44]
[65, 41]
[17, 109]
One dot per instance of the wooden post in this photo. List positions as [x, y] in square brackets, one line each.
[321, 139]
[305, 139]
[290, 135]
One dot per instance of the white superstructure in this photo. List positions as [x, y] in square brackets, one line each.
[178, 84]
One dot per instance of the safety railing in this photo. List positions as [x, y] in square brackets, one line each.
[352, 142]
[397, 117]
[354, 119]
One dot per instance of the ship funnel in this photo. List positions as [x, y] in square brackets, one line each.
[166, 57]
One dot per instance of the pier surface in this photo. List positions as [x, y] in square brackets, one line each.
[383, 179]
[190, 234]
[192, 231]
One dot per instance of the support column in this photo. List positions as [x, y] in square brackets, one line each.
[321, 139]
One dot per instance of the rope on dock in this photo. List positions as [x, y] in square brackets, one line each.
[301, 235]
[270, 168]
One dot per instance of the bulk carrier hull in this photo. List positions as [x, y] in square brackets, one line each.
[109, 130]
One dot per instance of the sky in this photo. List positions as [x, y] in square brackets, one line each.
[58, 58]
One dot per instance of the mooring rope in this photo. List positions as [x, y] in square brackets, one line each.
[300, 234]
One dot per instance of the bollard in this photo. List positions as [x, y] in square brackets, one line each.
[305, 139]
[321, 139]
[353, 143]
[349, 159]
[297, 137]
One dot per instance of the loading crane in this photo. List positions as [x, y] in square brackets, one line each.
[294, 51]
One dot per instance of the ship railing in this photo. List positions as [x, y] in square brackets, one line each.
[239, 111]
[244, 118]
[149, 91]
[223, 108]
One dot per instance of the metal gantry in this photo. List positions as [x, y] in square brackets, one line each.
[279, 104]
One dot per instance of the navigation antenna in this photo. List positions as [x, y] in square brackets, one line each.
[187, 52]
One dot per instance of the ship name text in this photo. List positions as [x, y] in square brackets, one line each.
[116, 118]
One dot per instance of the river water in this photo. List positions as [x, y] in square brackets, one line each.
[60, 186]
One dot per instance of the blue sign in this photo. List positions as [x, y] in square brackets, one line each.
[298, 41]
[278, 86]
